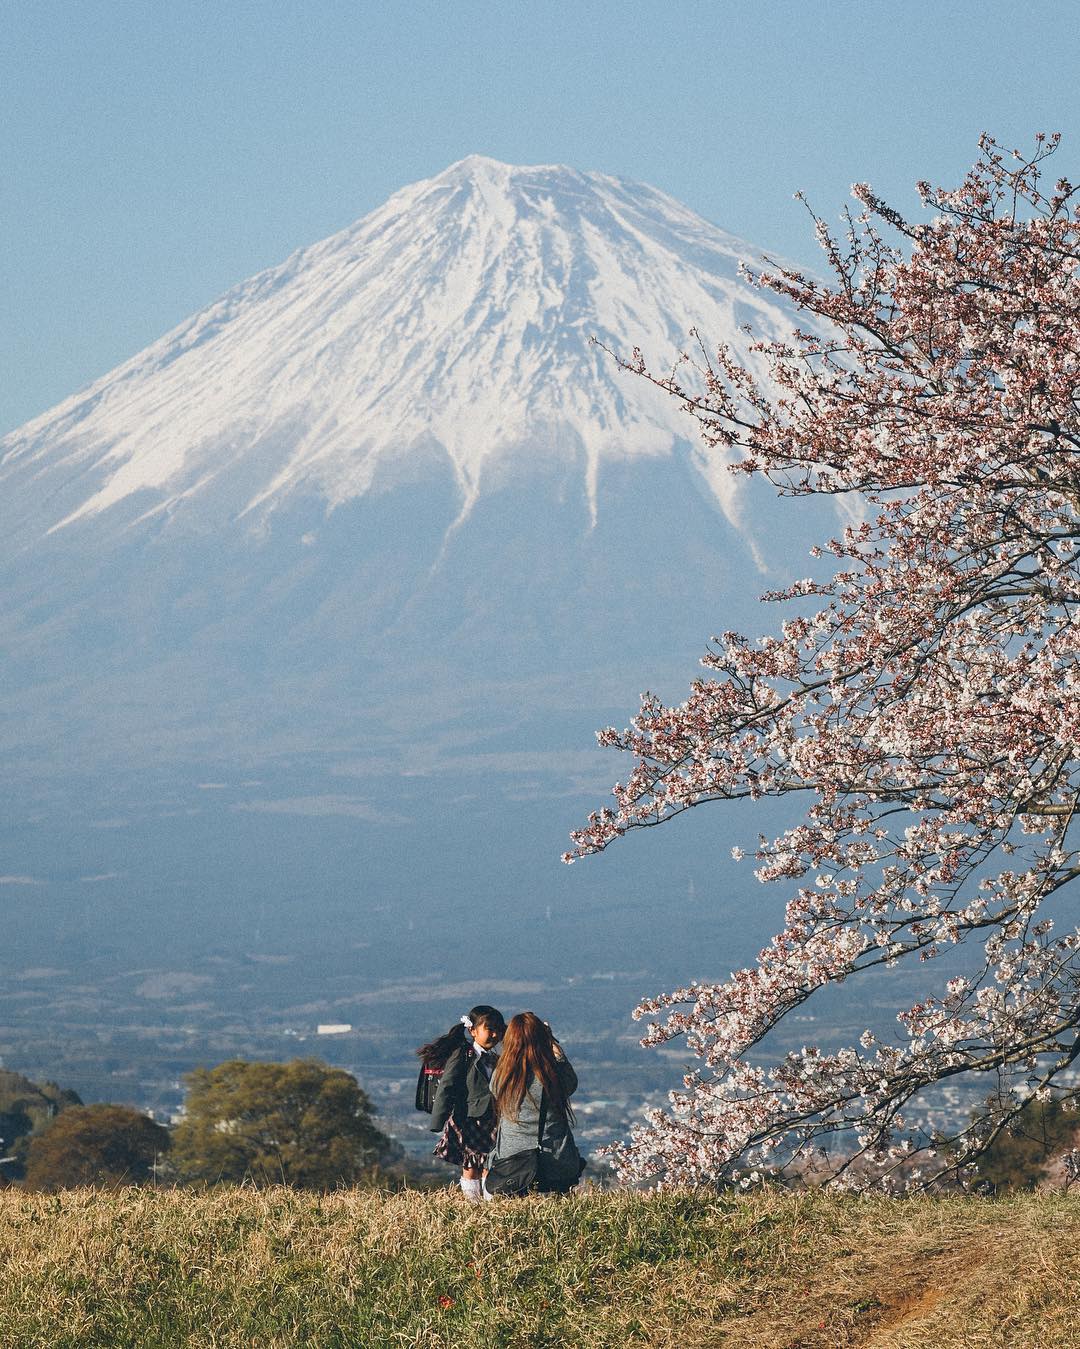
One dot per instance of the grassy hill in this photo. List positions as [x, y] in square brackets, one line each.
[277, 1268]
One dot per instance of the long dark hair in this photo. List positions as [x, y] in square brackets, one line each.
[439, 1050]
[528, 1052]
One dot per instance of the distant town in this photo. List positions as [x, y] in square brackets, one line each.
[132, 1037]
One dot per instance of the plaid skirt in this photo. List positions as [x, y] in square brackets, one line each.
[466, 1143]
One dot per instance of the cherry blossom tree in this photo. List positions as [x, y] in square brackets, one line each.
[924, 701]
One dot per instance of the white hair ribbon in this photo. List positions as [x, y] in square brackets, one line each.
[465, 1022]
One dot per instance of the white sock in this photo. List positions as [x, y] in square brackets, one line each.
[472, 1190]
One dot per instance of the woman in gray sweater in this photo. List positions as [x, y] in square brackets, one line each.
[531, 1089]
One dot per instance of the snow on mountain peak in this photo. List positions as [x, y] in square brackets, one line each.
[455, 318]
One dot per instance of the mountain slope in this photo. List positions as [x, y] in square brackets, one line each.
[309, 610]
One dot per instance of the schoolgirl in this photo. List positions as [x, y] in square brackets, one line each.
[531, 1088]
[462, 1114]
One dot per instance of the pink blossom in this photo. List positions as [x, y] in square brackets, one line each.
[928, 713]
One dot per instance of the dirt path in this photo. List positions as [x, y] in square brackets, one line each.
[940, 1298]
[914, 1294]
[873, 1299]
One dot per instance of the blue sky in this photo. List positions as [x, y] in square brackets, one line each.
[153, 155]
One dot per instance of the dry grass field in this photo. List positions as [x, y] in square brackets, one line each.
[234, 1267]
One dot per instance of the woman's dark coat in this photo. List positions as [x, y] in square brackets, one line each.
[463, 1089]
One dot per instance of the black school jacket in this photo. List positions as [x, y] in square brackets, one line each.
[463, 1089]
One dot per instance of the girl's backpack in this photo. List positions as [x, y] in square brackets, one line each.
[427, 1084]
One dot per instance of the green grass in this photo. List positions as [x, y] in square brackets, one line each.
[246, 1267]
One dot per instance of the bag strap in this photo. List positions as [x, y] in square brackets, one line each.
[543, 1118]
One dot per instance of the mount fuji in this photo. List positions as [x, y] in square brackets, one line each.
[448, 330]
[312, 607]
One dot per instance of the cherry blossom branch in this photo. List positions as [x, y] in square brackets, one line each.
[928, 712]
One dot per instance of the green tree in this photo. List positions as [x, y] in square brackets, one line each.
[1020, 1155]
[300, 1123]
[95, 1145]
[26, 1108]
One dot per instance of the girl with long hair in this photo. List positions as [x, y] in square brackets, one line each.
[462, 1113]
[531, 1089]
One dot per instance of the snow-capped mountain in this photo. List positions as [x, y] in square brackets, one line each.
[309, 611]
[454, 322]
[394, 472]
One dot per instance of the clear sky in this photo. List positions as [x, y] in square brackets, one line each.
[154, 154]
